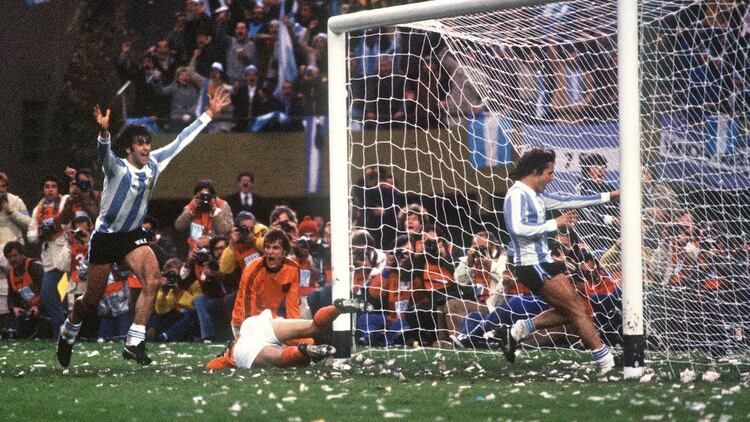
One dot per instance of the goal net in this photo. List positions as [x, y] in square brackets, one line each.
[439, 109]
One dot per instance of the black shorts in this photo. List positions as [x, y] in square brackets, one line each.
[108, 248]
[534, 276]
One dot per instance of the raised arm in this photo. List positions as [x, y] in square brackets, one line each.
[556, 202]
[104, 154]
[217, 103]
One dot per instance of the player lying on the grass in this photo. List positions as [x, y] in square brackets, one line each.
[525, 209]
[119, 235]
[260, 343]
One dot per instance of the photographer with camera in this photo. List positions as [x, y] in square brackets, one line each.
[202, 265]
[437, 260]
[388, 324]
[175, 318]
[45, 229]
[205, 215]
[245, 245]
[478, 278]
[14, 216]
[24, 296]
[83, 198]
[305, 247]
[78, 247]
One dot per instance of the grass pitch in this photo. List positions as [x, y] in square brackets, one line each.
[415, 385]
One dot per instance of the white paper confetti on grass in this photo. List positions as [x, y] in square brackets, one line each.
[326, 388]
[710, 376]
[391, 415]
[303, 388]
[336, 396]
[198, 400]
[236, 407]
[686, 376]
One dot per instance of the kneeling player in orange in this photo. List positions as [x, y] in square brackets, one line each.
[261, 340]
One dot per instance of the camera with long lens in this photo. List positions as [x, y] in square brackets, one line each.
[431, 248]
[171, 277]
[243, 230]
[79, 234]
[285, 225]
[204, 201]
[47, 228]
[203, 256]
[83, 185]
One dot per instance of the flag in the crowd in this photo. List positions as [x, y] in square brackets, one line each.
[316, 128]
[489, 141]
[287, 62]
[709, 153]
[264, 120]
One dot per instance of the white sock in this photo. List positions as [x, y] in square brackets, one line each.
[69, 331]
[136, 334]
[603, 357]
[522, 329]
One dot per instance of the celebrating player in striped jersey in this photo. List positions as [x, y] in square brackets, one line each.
[119, 236]
[525, 207]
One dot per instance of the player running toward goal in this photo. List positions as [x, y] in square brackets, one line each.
[260, 343]
[525, 208]
[119, 235]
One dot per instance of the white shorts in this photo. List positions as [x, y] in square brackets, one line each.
[255, 334]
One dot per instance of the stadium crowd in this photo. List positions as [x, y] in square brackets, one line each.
[425, 286]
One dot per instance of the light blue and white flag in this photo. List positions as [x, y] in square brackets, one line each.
[316, 128]
[489, 141]
[287, 62]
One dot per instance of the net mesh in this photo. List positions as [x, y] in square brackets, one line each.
[439, 110]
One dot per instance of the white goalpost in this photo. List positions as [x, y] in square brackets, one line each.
[429, 105]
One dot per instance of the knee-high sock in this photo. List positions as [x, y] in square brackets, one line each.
[325, 316]
[291, 356]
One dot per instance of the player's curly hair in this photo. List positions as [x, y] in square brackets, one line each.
[533, 161]
[129, 136]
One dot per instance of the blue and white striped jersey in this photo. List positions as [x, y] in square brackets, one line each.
[127, 189]
[524, 217]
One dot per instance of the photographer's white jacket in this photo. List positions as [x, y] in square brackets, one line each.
[54, 254]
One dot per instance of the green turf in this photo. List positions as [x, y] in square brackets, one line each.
[421, 385]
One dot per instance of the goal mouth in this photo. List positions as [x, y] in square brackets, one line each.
[429, 113]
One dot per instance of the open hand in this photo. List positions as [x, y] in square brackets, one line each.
[102, 120]
[217, 103]
[566, 219]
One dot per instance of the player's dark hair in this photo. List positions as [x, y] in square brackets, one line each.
[533, 161]
[130, 135]
[274, 235]
[14, 246]
[590, 160]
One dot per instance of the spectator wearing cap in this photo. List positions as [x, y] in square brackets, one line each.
[599, 225]
[244, 100]
[222, 122]
[244, 199]
[241, 53]
[205, 215]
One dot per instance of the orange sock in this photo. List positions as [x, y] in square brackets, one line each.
[292, 357]
[325, 316]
